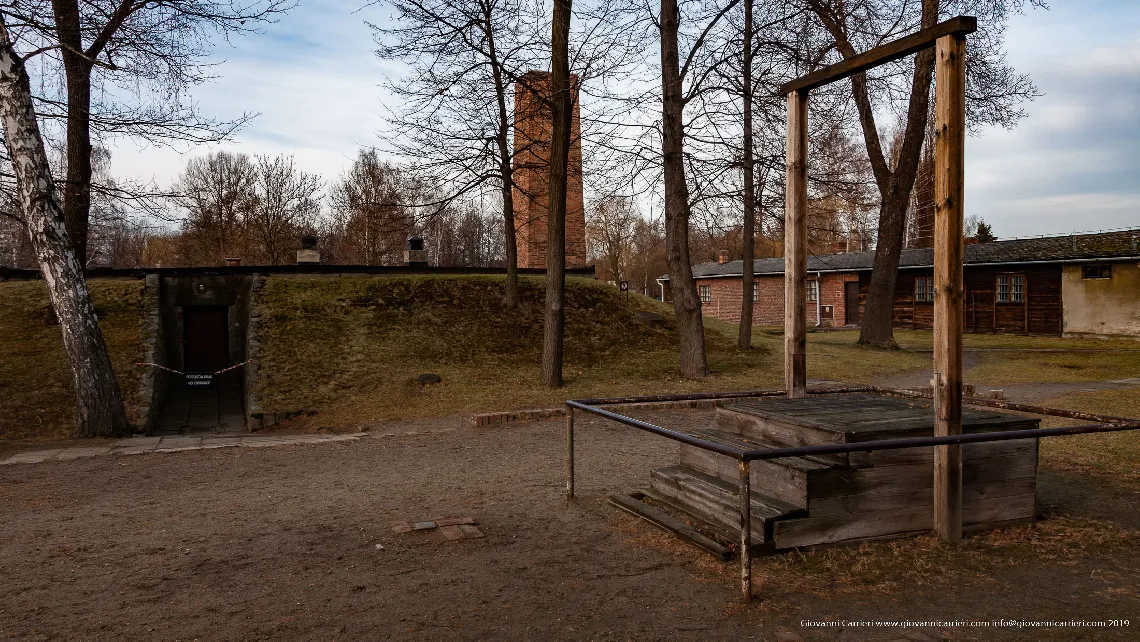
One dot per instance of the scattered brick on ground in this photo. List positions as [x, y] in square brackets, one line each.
[450, 528]
[450, 532]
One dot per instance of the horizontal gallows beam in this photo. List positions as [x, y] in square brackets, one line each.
[905, 46]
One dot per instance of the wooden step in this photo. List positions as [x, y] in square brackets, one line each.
[717, 502]
[827, 488]
[787, 479]
[984, 506]
[634, 504]
[848, 419]
[781, 432]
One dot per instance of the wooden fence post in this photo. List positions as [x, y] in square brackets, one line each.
[795, 246]
[949, 159]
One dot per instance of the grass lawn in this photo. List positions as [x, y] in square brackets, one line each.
[1000, 359]
[1114, 455]
[36, 390]
[924, 340]
[350, 348]
[998, 368]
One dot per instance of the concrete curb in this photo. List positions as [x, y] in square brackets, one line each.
[173, 443]
[496, 418]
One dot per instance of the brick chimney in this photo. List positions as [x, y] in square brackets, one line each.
[416, 255]
[308, 254]
[533, 130]
[722, 257]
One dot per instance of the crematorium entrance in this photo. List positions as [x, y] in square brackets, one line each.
[205, 318]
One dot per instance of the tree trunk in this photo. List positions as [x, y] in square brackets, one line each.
[744, 338]
[615, 262]
[560, 112]
[98, 399]
[877, 319]
[77, 70]
[506, 170]
[511, 288]
[686, 303]
[878, 316]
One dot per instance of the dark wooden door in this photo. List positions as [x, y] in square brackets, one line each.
[851, 302]
[206, 345]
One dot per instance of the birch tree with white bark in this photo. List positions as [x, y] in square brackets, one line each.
[99, 401]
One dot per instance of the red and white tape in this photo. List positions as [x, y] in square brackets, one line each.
[160, 367]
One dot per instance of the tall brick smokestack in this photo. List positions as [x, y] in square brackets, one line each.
[533, 128]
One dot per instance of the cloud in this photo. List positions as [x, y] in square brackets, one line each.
[1074, 163]
[312, 79]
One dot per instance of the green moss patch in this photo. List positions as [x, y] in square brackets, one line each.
[349, 348]
[37, 394]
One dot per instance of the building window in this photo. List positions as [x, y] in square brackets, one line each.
[924, 289]
[755, 291]
[706, 293]
[1097, 272]
[812, 291]
[1011, 288]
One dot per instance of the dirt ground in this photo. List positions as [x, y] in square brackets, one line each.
[282, 542]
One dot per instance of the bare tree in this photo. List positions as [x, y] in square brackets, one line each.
[562, 111]
[149, 49]
[373, 211]
[920, 232]
[287, 204]
[15, 246]
[99, 401]
[610, 224]
[465, 236]
[218, 193]
[686, 304]
[747, 167]
[646, 256]
[457, 119]
[993, 93]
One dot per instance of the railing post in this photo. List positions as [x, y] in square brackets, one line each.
[745, 532]
[569, 452]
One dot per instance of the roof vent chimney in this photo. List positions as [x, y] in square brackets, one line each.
[308, 254]
[416, 255]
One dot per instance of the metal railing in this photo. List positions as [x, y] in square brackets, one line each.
[1102, 423]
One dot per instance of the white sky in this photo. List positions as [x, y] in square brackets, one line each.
[1072, 165]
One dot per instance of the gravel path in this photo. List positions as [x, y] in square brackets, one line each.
[295, 541]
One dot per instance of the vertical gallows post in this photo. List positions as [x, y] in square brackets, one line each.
[949, 159]
[795, 246]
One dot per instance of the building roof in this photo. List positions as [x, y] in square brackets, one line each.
[1118, 245]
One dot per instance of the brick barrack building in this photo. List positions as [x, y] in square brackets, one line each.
[1076, 285]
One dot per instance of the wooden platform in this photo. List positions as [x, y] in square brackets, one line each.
[803, 501]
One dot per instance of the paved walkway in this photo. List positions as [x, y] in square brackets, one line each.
[211, 410]
[178, 443]
[143, 445]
